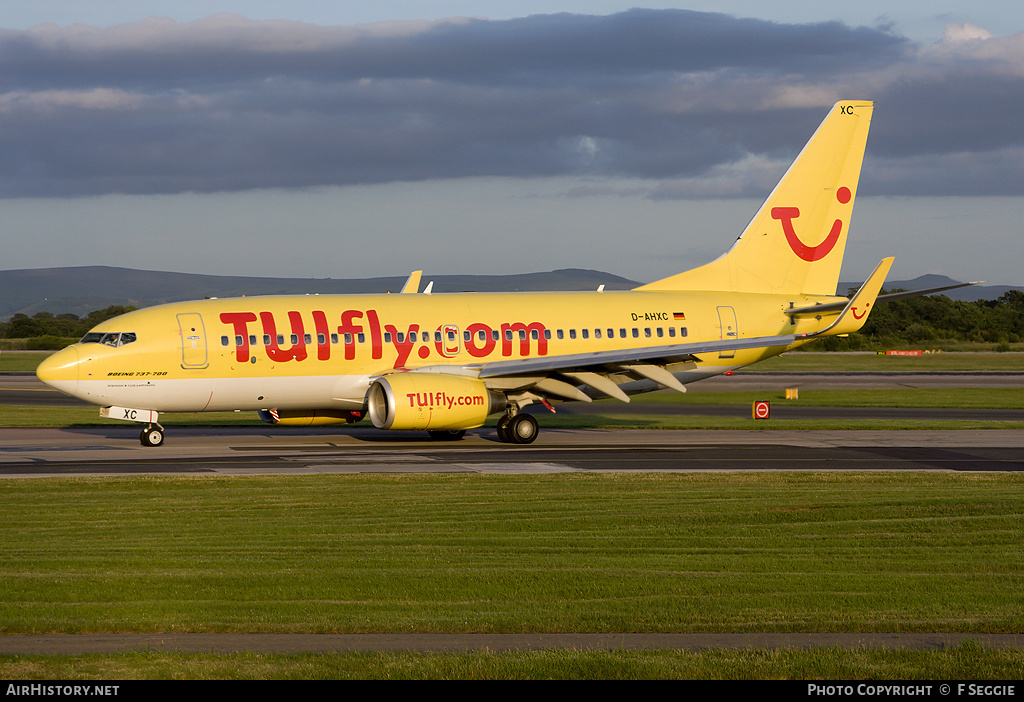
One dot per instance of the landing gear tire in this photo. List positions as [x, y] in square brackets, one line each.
[503, 434]
[444, 435]
[152, 436]
[520, 429]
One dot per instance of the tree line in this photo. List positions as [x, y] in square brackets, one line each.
[926, 321]
[929, 322]
[45, 330]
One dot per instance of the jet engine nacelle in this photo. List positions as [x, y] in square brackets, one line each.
[433, 401]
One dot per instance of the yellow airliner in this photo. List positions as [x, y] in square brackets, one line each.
[445, 362]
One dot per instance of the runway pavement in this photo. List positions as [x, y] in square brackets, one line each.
[240, 451]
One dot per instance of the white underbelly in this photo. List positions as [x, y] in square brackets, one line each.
[225, 394]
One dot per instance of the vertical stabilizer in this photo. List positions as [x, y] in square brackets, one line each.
[795, 242]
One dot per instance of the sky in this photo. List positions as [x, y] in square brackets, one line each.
[355, 140]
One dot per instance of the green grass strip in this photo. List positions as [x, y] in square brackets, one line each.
[788, 552]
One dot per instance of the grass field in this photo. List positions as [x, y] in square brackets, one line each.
[801, 361]
[569, 552]
[456, 553]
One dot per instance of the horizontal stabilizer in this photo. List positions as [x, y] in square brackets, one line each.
[855, 312]
[889, 297]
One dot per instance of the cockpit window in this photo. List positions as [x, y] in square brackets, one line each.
[109, 338]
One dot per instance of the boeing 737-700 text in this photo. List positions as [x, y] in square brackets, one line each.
[445, 362]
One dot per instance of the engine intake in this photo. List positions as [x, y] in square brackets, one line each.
[432, 401]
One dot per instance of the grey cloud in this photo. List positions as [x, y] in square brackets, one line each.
[228, 104]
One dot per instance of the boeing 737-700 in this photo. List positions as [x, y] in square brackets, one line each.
[445, 362]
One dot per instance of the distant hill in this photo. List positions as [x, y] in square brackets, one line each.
[926, 282]
[81, 290]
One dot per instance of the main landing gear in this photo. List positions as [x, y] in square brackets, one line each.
[152, 435]
[517, 429]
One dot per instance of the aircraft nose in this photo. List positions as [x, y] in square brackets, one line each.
[60, 371]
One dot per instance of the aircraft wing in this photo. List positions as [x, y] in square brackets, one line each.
[561, 376]
[675, 353]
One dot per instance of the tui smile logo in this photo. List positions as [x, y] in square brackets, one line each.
[811, 253]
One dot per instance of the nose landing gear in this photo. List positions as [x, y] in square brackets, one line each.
[152, 435]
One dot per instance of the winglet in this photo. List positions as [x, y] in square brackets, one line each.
[412, 285]
[855, 314]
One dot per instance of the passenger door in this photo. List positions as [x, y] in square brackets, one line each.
[193, 341]
[729, 328]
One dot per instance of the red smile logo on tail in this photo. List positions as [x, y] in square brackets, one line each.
[811, 253]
